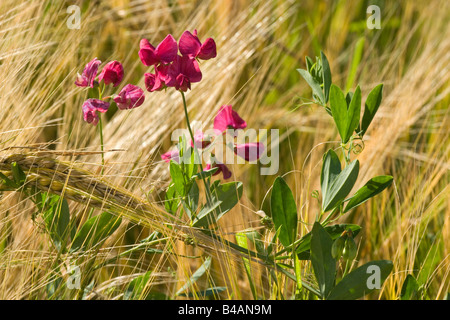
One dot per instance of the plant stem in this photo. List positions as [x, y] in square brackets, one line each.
[205, 182]
[100, 127]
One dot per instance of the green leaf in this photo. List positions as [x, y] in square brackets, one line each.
[315, 86]
[224, 198]
[324, 265]
[284, 211]
[178, 178]
[371, 107]
[373, 187]
[331, 168]
[205, 173]
[341, 186]
[410, 289]
[362, 281]
[191, 203]
[353, 113]
[214, 291]
[346, 116]
[18, 175]
[309, 63]
[326, 76]
[57, 218]
[171, 201]
[136, 287]
[197, 274]
[338, 106]
[428, 256]
[8, 182]
[333, 231]
[94, 231]
[241, 240]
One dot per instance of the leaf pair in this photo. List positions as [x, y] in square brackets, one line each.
[336, 184]
[318, 76]
[223, 198]
[94, 231]
[284, 211]
[346, 110]
[354, 285]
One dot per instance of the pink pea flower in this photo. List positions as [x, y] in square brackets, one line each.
[90, 108]
[112, 73]
[181, 73]
[227, 118]
[87, 78]
[171, 155]
[191, 46]
[156, 81]
[249, 151]
[222, 168]
[201, 141]
[130, 97]
[165, 52]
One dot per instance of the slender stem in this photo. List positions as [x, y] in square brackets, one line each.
[205, 182]
[100, 127]
[187, 118]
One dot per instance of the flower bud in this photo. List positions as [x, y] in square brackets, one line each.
[112, 73]
[338, 247]
[130, 97]
[350, 249]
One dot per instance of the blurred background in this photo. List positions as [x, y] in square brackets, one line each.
[260, 45]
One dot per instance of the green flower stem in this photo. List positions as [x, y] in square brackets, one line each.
[100, 127]
[205, 182]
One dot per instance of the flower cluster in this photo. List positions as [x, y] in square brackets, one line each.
[174, 65]
[129, 97]
[226, 118]
[172, 69]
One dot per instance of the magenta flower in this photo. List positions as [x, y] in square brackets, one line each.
[87, 78]
[165, 52]
[191, 46]
[90, 108]
[227, 118]
[171, 155]
[181, 73]
[130, 97]
[112, 73]
[222, 168]
[200, 140]
[156, 81]
[249, 151]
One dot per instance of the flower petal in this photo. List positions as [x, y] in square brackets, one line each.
[130, 97]
[147, 53]
[249, 151]
[167, 50]
[208, 50]
[112, 73]
[189, 45]
[228, 118]
[171, 155]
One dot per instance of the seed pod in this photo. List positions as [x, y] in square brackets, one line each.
[350, 249]
[338, 247]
